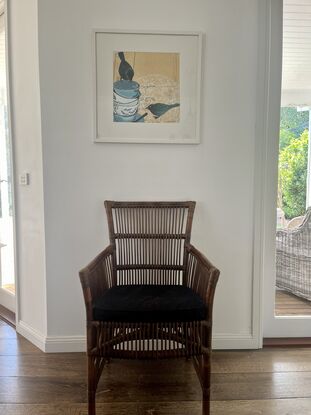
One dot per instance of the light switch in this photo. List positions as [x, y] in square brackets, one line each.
[24, 179]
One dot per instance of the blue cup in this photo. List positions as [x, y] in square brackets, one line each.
[127, 89]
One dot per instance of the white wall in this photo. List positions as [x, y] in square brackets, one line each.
[79, 175]
[27, 145]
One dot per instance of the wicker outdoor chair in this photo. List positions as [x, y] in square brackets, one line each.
[149, 294]
[293, 258]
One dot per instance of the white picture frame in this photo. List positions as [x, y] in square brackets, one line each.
[188, 47]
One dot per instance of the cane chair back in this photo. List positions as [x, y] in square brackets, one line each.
[149, 241]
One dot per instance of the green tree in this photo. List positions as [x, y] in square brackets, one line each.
[286, 136]
[293, 162]
[294, 121]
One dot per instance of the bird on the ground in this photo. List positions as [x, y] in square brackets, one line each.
[159, 109]
[125, 70]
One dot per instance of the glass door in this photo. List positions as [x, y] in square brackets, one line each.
[287, 256]
[293, 238]
[7, 272]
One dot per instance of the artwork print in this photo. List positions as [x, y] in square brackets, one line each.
[146, 87]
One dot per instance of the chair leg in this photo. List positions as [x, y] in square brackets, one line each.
[91, 403]
[206, 383]
[92, 385]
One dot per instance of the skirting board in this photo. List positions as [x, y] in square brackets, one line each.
[67, 344]
[51, 344]
[78, 343]
[233, 341]
[34, 336]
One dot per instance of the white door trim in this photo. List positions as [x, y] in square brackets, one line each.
[9, 108]
[266, 174]
[308, 201]
[266, 149]
[266, 131]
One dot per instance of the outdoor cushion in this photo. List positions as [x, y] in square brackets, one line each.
[149, 303]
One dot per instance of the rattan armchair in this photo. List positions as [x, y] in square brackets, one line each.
[293, 258]
[149, 294]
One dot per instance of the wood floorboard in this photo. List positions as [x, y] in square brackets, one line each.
[265, 360]
[7, 316]
[262, 407]
[6, 331]
[272, 381]
[268, 407]
[44, 365]
[70, 409]
[287, 304]
[245, 386]
[17, 347]
[74, 364]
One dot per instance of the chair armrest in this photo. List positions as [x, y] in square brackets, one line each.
[201, 276]
[97, 277]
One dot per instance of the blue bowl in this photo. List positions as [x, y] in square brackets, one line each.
[126, 89]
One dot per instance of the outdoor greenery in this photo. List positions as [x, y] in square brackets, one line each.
[286, 137]
[293, 162]
[294, 121]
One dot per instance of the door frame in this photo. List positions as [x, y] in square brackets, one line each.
[266, 179]
[9, 300]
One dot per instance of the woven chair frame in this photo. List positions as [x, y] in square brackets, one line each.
[293, 258]
[149, 244]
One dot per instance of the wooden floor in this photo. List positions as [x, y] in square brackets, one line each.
[265, 382]
[287, 304]
[7, 315]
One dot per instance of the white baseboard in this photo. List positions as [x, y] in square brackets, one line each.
[34, 336]
[222, 341]
[225, 341]
[51, 344]
[67, 344]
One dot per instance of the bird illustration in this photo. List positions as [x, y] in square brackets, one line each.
[159, 109]
[125, 70]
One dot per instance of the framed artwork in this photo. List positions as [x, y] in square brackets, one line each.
[147, 87]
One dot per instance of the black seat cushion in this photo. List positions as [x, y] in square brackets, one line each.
[148, 303]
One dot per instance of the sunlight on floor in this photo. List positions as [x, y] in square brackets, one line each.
[10, 288]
